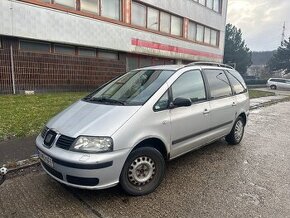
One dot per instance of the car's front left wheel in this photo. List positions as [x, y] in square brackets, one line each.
[143, 171]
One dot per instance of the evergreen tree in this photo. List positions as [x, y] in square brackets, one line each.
[236, 50]
[281, 58]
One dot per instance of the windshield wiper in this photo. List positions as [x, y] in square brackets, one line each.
[108, 100]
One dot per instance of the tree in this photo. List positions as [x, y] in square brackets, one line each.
[236, 50]
[281, 58]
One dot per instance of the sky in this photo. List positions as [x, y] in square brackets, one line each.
[261, 21]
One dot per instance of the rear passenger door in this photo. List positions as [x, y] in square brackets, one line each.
[222, 103]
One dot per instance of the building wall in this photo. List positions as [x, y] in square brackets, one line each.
[136, 46]
[21, 19]
[53, 72]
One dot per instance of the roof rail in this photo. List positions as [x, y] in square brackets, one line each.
[210, 64]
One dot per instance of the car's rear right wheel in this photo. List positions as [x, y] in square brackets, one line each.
[237, 132]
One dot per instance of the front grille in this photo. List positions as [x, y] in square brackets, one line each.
[82, 181]
[65, 142]
[43, 132]
[49, 138]
[52, 171]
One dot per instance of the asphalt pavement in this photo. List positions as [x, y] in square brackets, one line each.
[219, 180]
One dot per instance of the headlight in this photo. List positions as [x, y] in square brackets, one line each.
[93, 144]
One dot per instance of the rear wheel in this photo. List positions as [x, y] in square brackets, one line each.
[143, 171]
[273, 87]
[237, 132]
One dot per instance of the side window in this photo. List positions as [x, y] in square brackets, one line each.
[189, 85]
[162, 103]
[218, 83]
[238, 86]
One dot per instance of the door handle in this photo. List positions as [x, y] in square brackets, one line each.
[234, 104]
[206, 111]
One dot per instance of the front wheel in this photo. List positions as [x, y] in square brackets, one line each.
[237, 132]
[143, 171]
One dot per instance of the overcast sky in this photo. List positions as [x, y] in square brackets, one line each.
[261, 21]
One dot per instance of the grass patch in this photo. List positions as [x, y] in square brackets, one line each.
[259, 94]
[24, 115]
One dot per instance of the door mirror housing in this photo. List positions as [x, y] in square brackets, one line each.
[182, 102]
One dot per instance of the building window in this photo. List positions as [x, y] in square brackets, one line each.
[207, 35]
[214, 37]
[108, 55]
[192, 31]
[111, 9]
[152, 19]
[34, 46]
[202, 2]
[64, 49]
[216, 5]
[66, 3]
[132, 63]
[209, 4]
[176, 25]
[92, 6]
[138, 14]
[87, 52]
[199, 33]
[164, 22]
[145, 61]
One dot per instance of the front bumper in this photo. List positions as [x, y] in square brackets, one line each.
[82, 170]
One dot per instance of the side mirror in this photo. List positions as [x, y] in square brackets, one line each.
[182, 102]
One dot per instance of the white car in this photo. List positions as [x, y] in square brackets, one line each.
[278, 83]
[125, 131]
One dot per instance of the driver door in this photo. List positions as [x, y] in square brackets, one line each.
[189, 124]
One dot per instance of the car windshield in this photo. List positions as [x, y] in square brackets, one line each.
[133, 88]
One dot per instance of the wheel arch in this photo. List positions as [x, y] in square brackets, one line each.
[156, 143]
[244, 117]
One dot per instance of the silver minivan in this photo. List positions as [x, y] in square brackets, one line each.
[278, 83]
[125, 131]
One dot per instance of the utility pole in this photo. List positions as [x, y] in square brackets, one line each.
[283, 34]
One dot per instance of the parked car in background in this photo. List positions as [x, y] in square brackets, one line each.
[126, 130]
[278, 83]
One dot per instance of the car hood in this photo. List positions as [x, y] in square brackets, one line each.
[84, 118]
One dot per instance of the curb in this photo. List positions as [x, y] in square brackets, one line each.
[269, 103]
[22, 164]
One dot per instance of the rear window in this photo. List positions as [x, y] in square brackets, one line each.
[218, 83]
[237, 82]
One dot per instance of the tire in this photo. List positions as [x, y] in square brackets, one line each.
[237, 132]
[143, 171]
[273, 87]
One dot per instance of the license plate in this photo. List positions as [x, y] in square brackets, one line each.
[46, 159]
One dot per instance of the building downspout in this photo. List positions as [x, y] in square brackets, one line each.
[12, 69]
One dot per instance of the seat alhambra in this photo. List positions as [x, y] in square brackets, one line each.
[125, 131]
